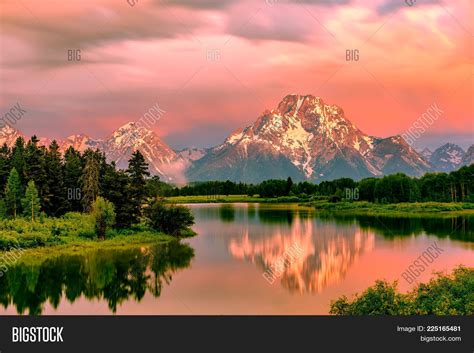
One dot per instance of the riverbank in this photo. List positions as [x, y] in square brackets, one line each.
[395, 209]
[72, 232]
[232, 199]
[353, 207]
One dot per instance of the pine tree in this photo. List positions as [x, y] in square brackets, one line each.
[137, 171]
[3, 209]
[72, 178]
[90, 180]
[4, 167]
[13, 193]
[18, 157]
[116, 190]
[31, 201]
[55, 193]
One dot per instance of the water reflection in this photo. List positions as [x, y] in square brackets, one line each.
[454, 227]
[328, 252]
[113, 275]
[332, 244]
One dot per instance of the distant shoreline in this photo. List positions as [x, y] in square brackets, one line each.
[354, 207]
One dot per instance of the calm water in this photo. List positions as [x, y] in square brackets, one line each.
[221, 270]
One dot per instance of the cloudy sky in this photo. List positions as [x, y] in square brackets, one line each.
[215, 65]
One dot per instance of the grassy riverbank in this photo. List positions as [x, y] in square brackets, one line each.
[232, 199]
[353, 207]
[396, 209]
[73, 231]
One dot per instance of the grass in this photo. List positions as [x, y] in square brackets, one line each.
[72, 231]
[75, 246]
[231, 199]
[368, 208]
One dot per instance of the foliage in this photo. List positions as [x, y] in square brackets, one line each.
[169, 218]
[446, 294]
[13, 193]
[31, 201]
[90, 181]
[104, 216]
[457, 186]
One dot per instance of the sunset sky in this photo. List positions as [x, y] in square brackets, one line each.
[215, 65]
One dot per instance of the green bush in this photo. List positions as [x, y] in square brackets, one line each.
[104, 216]
[169, 218]
[451, 294]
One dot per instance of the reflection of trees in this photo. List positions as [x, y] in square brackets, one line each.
[113, 275]
[227, 213]
[275, 215]
[454, 227]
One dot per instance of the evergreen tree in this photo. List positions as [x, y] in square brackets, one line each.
[137, 171]
[3, 209]
[90, 180]
[33, 162]
[54, 197]
[31, 201]
[18, 157]
[116, 189]
[289, 184]
[72, 178]
[4, 167]
[13, 193]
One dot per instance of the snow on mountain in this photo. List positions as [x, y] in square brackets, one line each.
[80, 142]
[447, 157]
[468, 158]
[426, 153]
[162, 160]
[191, 154]
[9, 135]
[306, 139]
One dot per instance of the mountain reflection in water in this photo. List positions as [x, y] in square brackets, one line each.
[331, 243]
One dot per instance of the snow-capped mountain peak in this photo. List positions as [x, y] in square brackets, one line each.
[447, 157]
[305, 138]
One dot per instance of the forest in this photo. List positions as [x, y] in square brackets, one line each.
[457, 186]
[38, 183]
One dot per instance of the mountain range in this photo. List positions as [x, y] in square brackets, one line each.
[302, 137]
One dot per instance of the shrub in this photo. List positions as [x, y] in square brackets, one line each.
[104, 216]
[450, 294]
[169, 218]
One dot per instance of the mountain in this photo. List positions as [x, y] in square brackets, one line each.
[162, 160]
[468, 158]
[426, 153]
[191, 154]
[9, 135]
[306, 139]
[80, 142]
[447, 157]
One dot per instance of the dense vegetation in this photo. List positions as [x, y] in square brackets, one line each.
[457, 186]
[40, 187]
[444, 295]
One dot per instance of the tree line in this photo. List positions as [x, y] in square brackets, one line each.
[456, 186]
[38, 181]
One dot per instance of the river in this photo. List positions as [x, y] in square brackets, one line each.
[221, 270]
